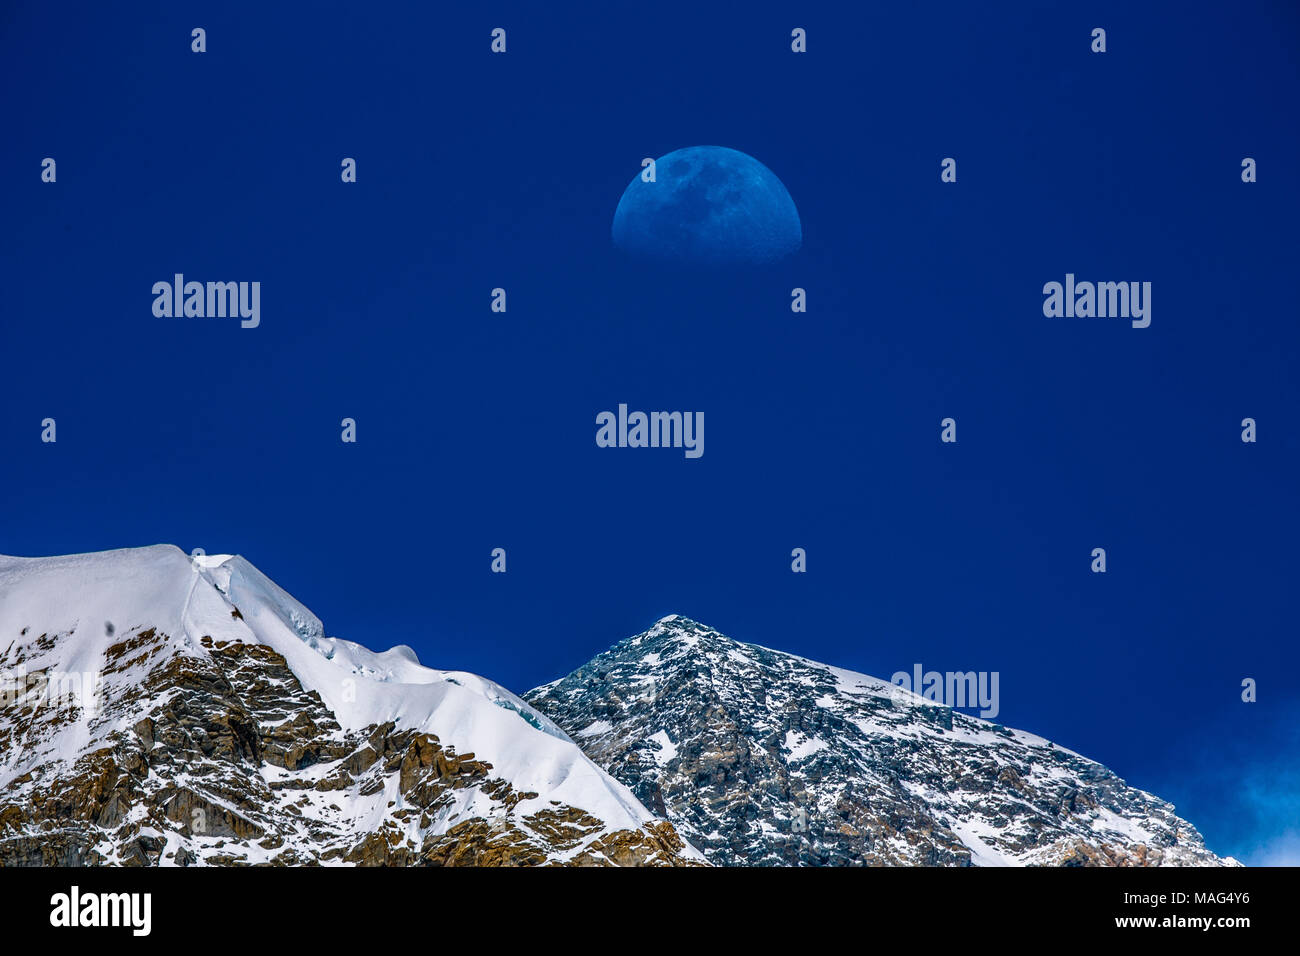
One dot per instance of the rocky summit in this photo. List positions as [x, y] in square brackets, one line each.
[763, 758]
[161, 710]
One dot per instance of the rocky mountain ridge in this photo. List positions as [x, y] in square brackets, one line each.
[162, 710]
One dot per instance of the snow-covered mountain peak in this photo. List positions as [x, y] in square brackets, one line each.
[764, 757]
[146, 631]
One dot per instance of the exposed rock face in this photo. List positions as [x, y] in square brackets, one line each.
[763, 758]
[196, 749]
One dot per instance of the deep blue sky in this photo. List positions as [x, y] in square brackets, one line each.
[822, 430]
